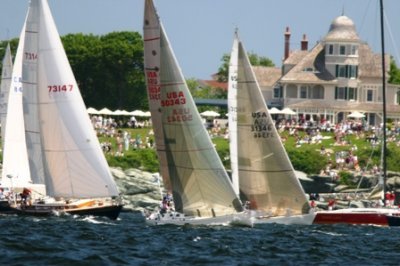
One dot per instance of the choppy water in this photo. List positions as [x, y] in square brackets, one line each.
[68, 240]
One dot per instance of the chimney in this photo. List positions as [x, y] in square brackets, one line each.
[304, 43]
[287, 43]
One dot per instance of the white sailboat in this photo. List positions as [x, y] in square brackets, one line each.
[202, 192]
[63, 150]
[267, 180]
[15, 170]
[6, 74]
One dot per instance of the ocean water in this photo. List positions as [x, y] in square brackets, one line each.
[79, 240]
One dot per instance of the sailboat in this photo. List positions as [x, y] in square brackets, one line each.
[382, 216]
[267, 180]
[15, 170]
[6, 75]
[63, 150]
[4, 88]
[201, 190]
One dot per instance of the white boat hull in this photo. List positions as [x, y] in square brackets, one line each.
[305, 219]
[175, 218]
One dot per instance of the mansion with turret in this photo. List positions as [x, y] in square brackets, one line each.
[339, 75]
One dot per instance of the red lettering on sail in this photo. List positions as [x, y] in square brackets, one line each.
[60, 88]
[30, 56]
[180, 115]
[174, 98]
[152, 85]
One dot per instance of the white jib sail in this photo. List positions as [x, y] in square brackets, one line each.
[16, 171]
[6, 74]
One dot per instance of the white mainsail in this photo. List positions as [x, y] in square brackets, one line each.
[266, 176]
[62, 146]
[15, 156]
[152, 28]
[200, 184]
[6, 74]
[232, 115]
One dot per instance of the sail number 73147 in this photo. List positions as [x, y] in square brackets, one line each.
[60, 88]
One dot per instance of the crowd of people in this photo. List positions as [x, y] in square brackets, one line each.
[117, 130]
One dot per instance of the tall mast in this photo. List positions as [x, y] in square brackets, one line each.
[383, 95]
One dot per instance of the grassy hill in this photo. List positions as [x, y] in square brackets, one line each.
[305, 157]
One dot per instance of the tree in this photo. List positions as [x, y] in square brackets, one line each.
[394, 72]
[109, 69]
[255, 60]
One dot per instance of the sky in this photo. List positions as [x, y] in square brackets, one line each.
[201, 31]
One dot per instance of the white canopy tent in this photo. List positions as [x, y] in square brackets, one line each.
[92, 111]
[288, 111]
[274, 110]
[105, 111]
[356, 114]
[210, 114]
[121, 112]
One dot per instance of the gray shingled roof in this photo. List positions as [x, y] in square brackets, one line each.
[314, 59]
[370, 64]
[342, 29]
[267, 76]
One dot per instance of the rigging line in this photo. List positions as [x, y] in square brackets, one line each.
[365, 15]
[393, 41]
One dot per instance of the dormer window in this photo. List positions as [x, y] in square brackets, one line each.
[308, 69]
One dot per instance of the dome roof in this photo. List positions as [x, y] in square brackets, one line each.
[342, 28]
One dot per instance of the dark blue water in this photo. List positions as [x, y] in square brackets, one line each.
[68, 240]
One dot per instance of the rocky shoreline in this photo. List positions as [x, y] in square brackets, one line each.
[141, 190]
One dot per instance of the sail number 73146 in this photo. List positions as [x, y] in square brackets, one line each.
[60, 88]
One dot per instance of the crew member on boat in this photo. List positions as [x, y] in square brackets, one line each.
[25, 197]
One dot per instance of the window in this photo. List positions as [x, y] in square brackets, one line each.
[353, 71]
[278, 92]
[352, 95]
[303, 92]
[398, 96]
[291, 91]
[316, 92]
[346, 93]
[342, 50]
[341, 71]
[354, 50]
[370, 95]
[330, 49]
[347, 71]
[340, 93]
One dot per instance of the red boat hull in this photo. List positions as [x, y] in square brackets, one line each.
[351, 218]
